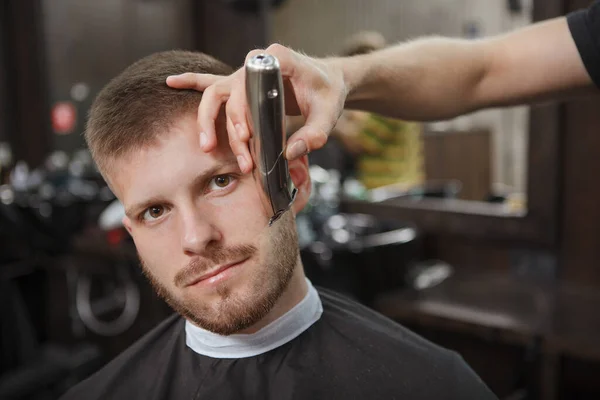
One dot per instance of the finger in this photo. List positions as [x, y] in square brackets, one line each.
[239, 148]
[212, 99]
[191, 80]
[313, 135]
[293, 70]
[236, 108]
[287, 59]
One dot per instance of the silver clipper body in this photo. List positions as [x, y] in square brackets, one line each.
[264, 91]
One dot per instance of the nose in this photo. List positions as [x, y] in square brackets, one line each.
[198, 231]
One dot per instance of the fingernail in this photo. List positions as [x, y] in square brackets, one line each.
[203, 139]
[242, 162]
[298, 149]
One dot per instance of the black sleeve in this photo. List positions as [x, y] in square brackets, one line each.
[585, 28]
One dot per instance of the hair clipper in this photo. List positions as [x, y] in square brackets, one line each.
[264, 91]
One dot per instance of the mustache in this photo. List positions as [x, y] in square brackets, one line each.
[211, 258]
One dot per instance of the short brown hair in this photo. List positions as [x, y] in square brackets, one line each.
[137, 105]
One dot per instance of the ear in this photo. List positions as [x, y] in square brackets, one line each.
[301, 178]
[127, 223]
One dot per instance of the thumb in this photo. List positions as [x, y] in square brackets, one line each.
[312, 136]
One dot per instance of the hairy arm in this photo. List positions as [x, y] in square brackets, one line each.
[439, 78]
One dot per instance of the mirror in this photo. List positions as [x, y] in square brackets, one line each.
[480, 157]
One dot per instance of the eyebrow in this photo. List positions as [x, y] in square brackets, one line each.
[199, 180]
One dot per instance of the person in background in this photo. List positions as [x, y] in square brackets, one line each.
[386, 151]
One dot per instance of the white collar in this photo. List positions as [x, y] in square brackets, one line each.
[287, 327]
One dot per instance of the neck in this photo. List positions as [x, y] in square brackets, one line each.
[293, 294]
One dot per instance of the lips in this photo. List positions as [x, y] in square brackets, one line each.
[214, 272]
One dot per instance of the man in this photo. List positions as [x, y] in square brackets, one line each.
[249, 324]
[427, 79]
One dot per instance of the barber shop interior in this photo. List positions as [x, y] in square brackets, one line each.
[299, 199]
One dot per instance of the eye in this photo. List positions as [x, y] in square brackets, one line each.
[153, 213]
[221, 181]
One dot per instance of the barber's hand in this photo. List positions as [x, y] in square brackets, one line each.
[313, 88]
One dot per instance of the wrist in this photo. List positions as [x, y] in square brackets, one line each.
[344, 67]
[351, 70]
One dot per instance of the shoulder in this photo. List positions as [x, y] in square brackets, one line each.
[585, 28]
[110, 379]
[590, 14]
[371, 341]
[585, 20]
[345, 313]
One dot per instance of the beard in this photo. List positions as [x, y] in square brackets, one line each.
[233, 312]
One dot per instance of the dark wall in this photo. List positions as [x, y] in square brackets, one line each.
[228, 34]
[28, 127]
[580, 217]
[580, 211]
[52, 45]
[3, 94]
[88, 43]
[24, 87]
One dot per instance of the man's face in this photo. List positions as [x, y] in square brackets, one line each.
[202, 232]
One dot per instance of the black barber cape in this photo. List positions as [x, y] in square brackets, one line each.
[585, 29]
[349, 352]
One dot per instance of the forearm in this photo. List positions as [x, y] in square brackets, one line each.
[429, 79]
[439, 78]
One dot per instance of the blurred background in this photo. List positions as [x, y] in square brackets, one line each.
[481, 233]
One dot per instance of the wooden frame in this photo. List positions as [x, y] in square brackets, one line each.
[26, 89]
[492, 221]
[4, 127]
